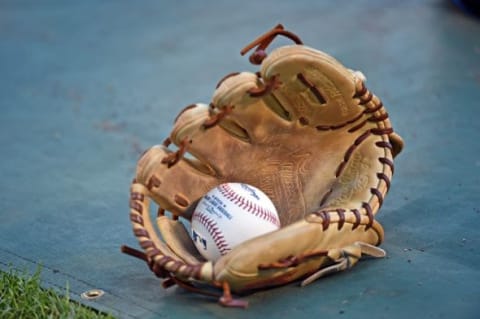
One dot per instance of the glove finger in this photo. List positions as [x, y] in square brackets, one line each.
[252, 114]
[316, 89]
[176, 187]
[214, 147]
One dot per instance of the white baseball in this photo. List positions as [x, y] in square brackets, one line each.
[230, 214]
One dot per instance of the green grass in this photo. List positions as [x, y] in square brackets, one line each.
[22, 297]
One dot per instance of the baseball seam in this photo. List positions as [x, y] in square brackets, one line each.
[248, 206]
[214, 232]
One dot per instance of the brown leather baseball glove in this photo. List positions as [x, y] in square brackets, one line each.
[306, 131]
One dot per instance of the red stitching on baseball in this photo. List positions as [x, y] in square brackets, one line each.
[248, 206]
[214, 231]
